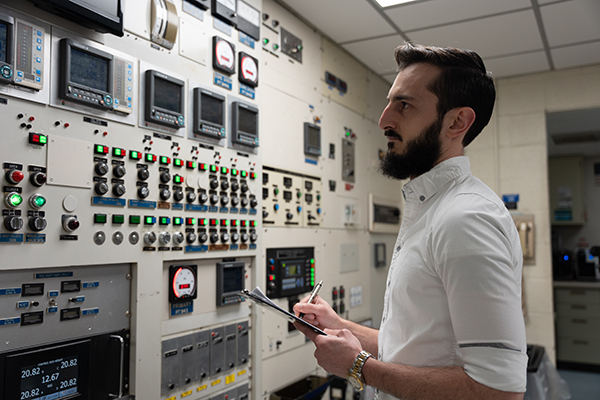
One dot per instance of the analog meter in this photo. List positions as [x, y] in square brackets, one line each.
[223, 55]
[248, 69]
[182, 283]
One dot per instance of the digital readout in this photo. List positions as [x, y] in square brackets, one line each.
[3, 37]
[50, 380]
[167, 95]
[89, 70]
[186, 286]
[248, 122]
[211, 109]
[233, 279]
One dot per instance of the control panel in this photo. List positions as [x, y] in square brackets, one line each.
[290, 271]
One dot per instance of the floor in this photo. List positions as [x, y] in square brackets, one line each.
[583, 385]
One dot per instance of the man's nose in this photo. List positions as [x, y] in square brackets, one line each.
[385, 122]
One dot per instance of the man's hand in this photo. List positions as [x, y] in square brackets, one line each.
[319, 313]
[335, 352]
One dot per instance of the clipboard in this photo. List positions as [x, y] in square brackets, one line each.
[258, 297]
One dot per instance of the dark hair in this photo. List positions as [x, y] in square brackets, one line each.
[463, 81]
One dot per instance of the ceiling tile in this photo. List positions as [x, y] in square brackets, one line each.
[521, 64]
[431, 13]
[342, 20]
[493, 36]
[377, 54]
[575, 56]
[571, 22]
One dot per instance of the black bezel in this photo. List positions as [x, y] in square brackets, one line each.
[236, 134]
[216, 65]
[246, 26]
[224, 13]
[65, 75]
[151, 108]
[10, 31]
[198, 121]
[307, 148]
[221, 294]
[172, 297]
[241, 77]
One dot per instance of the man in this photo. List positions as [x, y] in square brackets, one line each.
[452, 326]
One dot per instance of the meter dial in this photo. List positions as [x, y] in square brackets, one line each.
[223, 55]
[248, 70]
[183, 283]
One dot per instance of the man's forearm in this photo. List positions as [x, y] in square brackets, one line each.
[424, 383]
[367, 336]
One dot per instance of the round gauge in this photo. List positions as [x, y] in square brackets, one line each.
[183, 283]
[224, 56]
[248, 69]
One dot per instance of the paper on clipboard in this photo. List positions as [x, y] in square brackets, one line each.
[257, 296]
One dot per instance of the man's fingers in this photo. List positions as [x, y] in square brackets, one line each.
[308, 332]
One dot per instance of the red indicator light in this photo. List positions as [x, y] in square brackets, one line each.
[191, 164]
[190, 221]
[203, 221]
[252, 175]
[14, 176]
[244, 223]
[271, 277]
[214, 222]
[234, 222]
[224, 222]
[253, 224]
[203, 167]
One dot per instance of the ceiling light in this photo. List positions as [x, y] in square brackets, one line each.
[389, 3]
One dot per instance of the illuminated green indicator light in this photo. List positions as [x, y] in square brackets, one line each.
[244, 174]
[283, 265]
[312, 261]
[149, 220]
[14, 200]
[191, 164]
[134, 219]
[118, 219]
[203, 167]
[164, 221]
[234, 172]
[275, 46]
[265, 41]
[178, 162]
[177, 179]
[203, 221]
[118, 152]
[299, 194]
[100, 218]
[300, 47]
[213, 168]
[164, 160]
[43, 139]
[39, 201]
[348, 133]
[135, 155]
[224, 170]
[151, 157]
[177, 221]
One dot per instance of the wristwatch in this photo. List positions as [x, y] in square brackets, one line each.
[354, 374]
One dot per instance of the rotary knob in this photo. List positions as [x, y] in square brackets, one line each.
[244, 202]
[203, 237]
[224, 184]
[235, 201]
[214, 183]
[253, 237]
[224, 200]
[165, 177]
[214, 199]
[119, 190]
[38, 179]
[101, 168]
[13, 223]
[143, 192]
[253, 202]
[235, 186]
[178, 238]
[119, 171]
[164, 238]
[244, 187]
[37, 224]
[214, 237]
[178, 195]
[245, 237]
[203, 198]
[191, 196]
[143, 174]
[149, 238]
[224, 237]
[165, 194]
[289, 215]
[235, 237]
[70, 224]
[191, 237]
[101, 188]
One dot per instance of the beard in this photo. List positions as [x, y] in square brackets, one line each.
[419, 156]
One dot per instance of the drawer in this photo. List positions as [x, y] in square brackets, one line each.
[576, 295]
[578, 310]
[581, 328]
[579, 350]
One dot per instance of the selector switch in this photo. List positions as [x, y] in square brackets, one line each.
[203, 198]
[235, 186]
[101, 188]
[224, 184]
[37, 224]
[235, 237]
[149, 238]
[253, 202]
[245, 237]
[101, 168]
[203, 237]
[214, 237]
[143, 174]
[191, 237]
[119, 171]
[13, 223]
[178, 195]
[235, 201]
[118, 190]
[165, 177]
[214, 183]
[244, 187]
[178, 238]
[224, 200]
[143, 192]
[214, 199]
[224, 237]
[164, 238]
[244, 202]
[191, 196]
[165, 194]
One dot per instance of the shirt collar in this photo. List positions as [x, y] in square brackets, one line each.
[426, 185]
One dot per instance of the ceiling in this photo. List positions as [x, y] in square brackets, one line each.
[514, 37]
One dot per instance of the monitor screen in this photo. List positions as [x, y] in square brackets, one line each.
[247, 121]
[89, 70]
[211, 109]
[314, 137]
[3, 37]
[56, 378]
[233, 279]
[167, 95]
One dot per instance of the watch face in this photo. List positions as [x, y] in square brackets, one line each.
[356, 383]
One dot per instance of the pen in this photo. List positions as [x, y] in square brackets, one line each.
[313, 294]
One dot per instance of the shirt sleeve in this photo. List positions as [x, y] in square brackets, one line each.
[477, 255]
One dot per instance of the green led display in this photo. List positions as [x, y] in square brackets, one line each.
[14, 200]
[100, 218]
[118, 219]
[135, 219]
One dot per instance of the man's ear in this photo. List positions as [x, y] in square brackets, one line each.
[458, 121]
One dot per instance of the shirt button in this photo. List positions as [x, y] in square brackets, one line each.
[422, 198]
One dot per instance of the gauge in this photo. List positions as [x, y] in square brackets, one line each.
[223, 55]
[183, 283]
[248, 70]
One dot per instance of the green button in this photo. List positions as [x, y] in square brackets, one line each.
[39, 201]
[276, 191]
[177, 221]
[14, 200]
[299, 194]
[135, 219]
[100, 218]
[118, 219]
[318, 197]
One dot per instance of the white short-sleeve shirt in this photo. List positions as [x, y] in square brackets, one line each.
[453, 295]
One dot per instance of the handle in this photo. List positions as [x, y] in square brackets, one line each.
[122, 342]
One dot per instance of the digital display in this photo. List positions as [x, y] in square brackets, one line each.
[89, 70]
[233, 279]
[211, 109]
[186, 286]
[70, 286]
[50, 380]
[247, 121]
[291, 269]
[3, 34]
[167, 95]
[32, 289]
[314, 137]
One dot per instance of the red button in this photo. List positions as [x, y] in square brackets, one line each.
[14, 176]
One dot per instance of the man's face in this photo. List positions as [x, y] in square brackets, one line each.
[411, 124]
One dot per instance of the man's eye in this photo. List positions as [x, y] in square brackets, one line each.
[404, 105]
